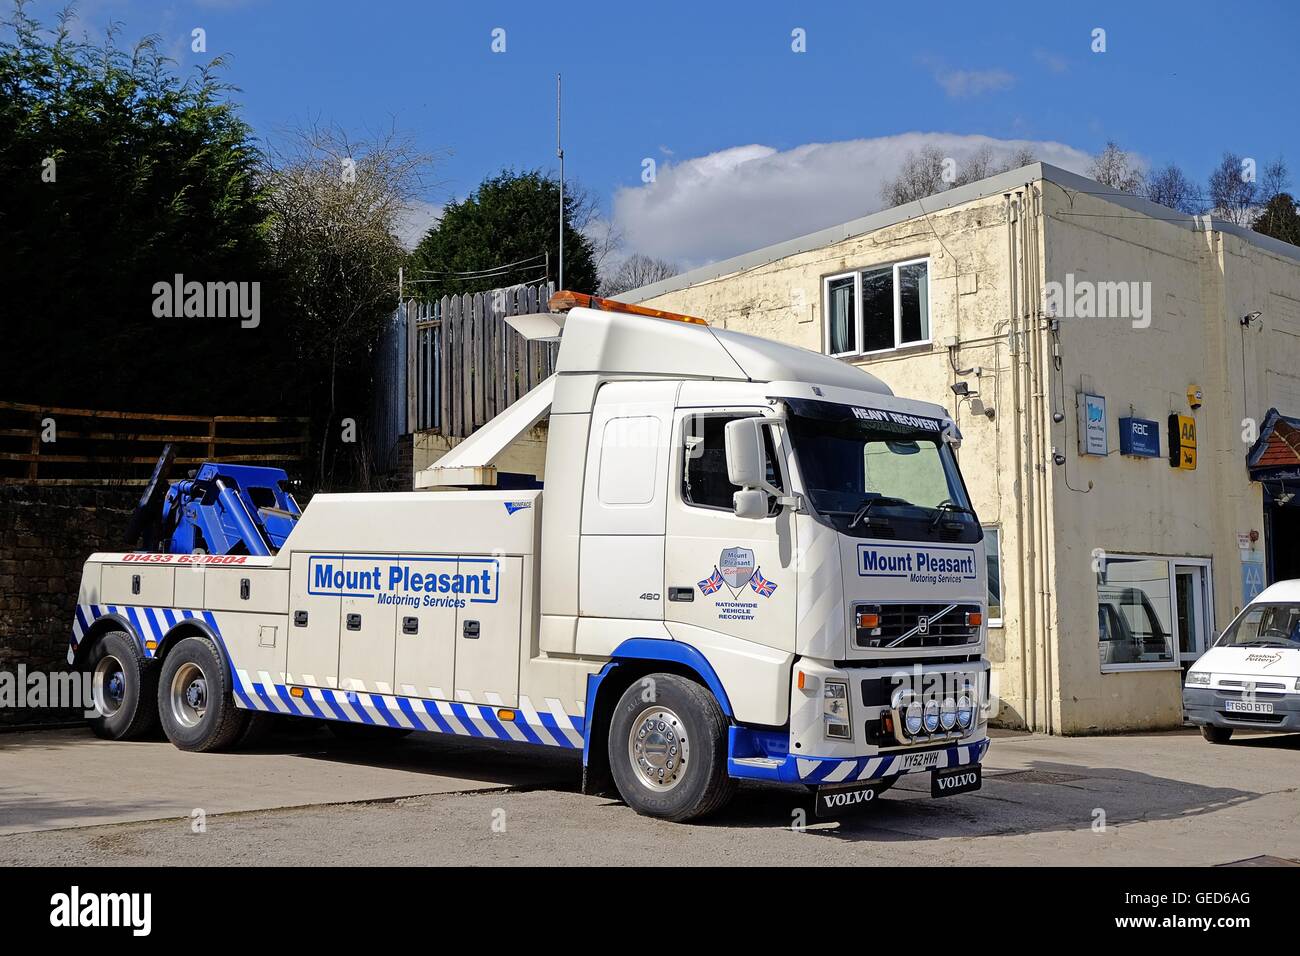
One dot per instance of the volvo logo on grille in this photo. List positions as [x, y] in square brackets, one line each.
[923, 625]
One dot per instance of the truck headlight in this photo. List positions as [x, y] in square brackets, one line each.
[931, 715]
[1199, 677]
[835, 709]
[948, 714]
[912, 719]
[965, 711]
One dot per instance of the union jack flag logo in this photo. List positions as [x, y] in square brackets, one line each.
[712, 583]
[762, 585]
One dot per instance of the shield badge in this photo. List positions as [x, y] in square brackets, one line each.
[736, 566]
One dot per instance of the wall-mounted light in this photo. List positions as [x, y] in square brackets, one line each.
[1250, 317]
[961, 389]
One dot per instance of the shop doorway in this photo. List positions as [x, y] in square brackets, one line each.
[1282, 536]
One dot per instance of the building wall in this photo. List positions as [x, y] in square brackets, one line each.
[46, 534]
[1201, 283]
[526, 456]
[989, 268]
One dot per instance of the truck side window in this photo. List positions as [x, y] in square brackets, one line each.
[704, 477]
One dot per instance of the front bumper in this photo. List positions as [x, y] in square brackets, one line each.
[816, 771]
[1207, 705]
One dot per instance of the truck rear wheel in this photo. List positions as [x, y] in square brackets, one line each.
[195, 701]
[123, 687]
[668, 749]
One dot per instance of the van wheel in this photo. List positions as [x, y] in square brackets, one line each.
[668, 755]
[195, 702]
[123, 687]
[1216, 735]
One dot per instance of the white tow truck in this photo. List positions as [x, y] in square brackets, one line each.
[750, 561]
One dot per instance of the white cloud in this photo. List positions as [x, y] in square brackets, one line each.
[963, 83]
[416, 222]
[1054, 62]
[743, 198]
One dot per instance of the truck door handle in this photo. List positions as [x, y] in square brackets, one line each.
[681, 594]
[299, 618]
[410, 625]
[470, 630]
[354, 622]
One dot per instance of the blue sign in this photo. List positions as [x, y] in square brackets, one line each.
[1139, 437]
[1252, 580]
[1092, 425]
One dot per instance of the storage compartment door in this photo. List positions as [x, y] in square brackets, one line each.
[426, 635]
[313, 652]
[488, 631]
[367, 622]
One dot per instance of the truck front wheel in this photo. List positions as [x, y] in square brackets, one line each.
[668, 749]
[195, 701]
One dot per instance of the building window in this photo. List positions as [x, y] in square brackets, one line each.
[1135, 622]
[878, 309]
[993, 561]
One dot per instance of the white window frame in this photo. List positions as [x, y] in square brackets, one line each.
[997, 558]
[858, 327]
[1170, 563]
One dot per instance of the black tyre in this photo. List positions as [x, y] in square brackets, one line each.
[124, 686]
[366, 733]
[668, 749]
[1216, 735]
[195, 701]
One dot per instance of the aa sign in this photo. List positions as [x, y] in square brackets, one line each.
[1182, 442]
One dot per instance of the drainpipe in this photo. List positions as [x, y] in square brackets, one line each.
[1023, 605]
[1042, 377]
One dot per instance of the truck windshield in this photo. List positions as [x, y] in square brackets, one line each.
[876, 474]
[1265, 625]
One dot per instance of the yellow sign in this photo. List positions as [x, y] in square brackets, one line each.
[1182, 442]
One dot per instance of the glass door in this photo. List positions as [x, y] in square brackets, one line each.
[1191, 612]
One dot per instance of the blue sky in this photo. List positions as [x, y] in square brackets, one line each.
[714, 94]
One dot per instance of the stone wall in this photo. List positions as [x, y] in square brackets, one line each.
[46, 533]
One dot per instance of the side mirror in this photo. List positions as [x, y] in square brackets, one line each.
[747, 467]
[745, 460]
[750, 503]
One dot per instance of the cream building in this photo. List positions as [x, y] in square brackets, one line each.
[1078, 320]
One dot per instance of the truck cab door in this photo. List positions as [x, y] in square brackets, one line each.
[732, 576]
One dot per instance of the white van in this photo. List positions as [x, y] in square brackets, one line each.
[1250, 678]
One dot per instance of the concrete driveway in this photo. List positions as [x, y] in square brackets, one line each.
[1158, 799]
[70, 778]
